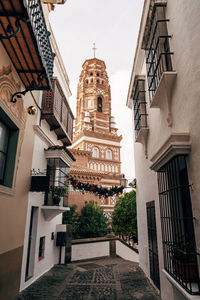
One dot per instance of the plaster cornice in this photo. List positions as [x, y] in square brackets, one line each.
[59, 153]
[176, 144]
[42, 135]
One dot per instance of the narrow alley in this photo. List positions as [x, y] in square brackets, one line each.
[101, 279]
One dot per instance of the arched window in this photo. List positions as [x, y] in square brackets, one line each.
[91, 74]
[108, 154]
[95, 152]
[97, 80]
[86, 81]
[97, 74]
[91, 80]
[99, 104]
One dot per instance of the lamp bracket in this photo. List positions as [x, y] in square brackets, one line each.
[34, 86]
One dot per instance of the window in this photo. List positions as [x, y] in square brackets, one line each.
[91, 80]
[4, 138]
[41, 248]
[140, 115]
[97, 74]
[8, 147]
[108, 154]
[153, 246]
[179, 246]
[91, 74]
[99, 104]
[90, 103]
[156, 45]
[95, 152]
[57, 171]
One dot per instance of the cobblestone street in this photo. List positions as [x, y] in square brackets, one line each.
[102, 279]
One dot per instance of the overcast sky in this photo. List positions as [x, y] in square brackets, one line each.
[113, 25]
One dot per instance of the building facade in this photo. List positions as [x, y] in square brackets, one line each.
[26, 69]
[164, 97]
[96, 144]
[53, 133]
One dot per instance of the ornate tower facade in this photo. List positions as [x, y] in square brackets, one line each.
[96, 145]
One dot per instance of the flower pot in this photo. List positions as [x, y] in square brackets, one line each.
[187, 271]
[56, 199]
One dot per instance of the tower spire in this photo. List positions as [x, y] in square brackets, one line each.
[94, 49]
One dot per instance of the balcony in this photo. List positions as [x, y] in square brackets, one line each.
[25, 38]
[160, 73]
[140, 113]
[57, 113]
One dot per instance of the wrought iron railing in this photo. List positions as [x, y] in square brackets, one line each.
[140, 115]
[178, 237]
[158, 54]
[36, 16]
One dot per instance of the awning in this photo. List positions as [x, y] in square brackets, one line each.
[25, 38]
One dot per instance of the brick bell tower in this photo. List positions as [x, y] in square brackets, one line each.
[96, 145]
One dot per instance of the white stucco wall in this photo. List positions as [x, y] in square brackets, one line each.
[90, 250]
[44, 228]
[126, 253]
[184, 25]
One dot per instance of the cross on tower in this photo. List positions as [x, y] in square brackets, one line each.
[94, 49]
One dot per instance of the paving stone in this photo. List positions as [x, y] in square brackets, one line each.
[104, 275]
[103, 292]
[82, 277]
[102, 279]
[89, 266]
[75, 292]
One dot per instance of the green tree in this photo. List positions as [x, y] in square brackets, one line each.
[124, 216]
[93, 223]
[71, 217]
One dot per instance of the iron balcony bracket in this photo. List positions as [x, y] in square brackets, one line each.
[10, 29]
[35, 86]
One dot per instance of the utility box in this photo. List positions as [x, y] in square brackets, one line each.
[61, 239]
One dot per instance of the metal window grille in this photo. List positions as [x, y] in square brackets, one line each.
[158, 55]
[153, 246]
[57, 171]
[178, 238]
[140, 115]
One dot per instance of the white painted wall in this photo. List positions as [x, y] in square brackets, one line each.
[184, 25]
[44, 228]
[90, 250]
[44, 138]
[126, 253]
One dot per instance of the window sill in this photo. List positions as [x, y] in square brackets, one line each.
[142, 138]
[6, 190]
[164, 93]
[179, 287]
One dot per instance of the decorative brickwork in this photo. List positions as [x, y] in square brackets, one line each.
[96, 145]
